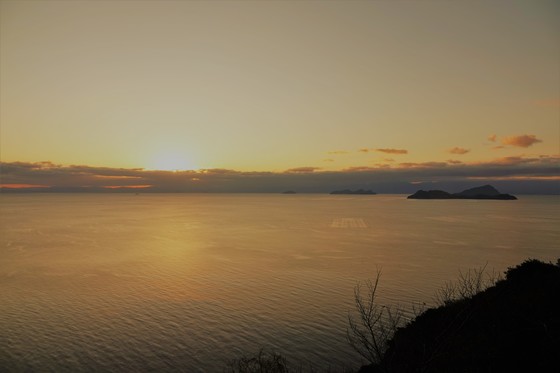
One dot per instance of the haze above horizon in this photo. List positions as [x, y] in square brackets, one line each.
[266, 96]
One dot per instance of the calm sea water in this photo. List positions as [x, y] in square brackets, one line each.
[185, 282]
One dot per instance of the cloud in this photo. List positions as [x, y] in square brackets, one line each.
[360, 169]
[143, 186]
[382, 165]
[492, 138]
[423, 164]
[534, 174]
[116, 177]
[328, 160]
[513, 160]
[384, 150]
[221, 171]
[537, 163]
[23, 186]
[392, 151]
[523, 141]
[457, 150]
[302, 169]
[521, 178]
[338, 152]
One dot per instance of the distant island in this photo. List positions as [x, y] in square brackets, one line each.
[289, 192]
[481, 192]
[348, 191]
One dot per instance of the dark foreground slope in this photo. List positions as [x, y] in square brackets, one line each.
[513, 326]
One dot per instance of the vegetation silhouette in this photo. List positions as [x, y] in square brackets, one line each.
[370, 333]
[266, 361]
[482, 322]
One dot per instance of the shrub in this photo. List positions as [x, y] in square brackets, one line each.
[263, 362]
[370, 333]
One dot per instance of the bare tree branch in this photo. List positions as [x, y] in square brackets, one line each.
[370, 334]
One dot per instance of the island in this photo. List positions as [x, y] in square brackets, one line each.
[289, 192]
[481, 192]
[348, 191]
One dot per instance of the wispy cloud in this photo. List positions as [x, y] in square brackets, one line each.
[522, 141]
[328, 160]
[116, 177]
[392, 151]
[520, 178]
[302, 169]
[383, 150]
[492, 138]
[458, 150]
[143, 186]
[510, 161]
[338, 152]
[422, 164]
[537, 161]
[23, 186]
[360, 169]
[217, 171]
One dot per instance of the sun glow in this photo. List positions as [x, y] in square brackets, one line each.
[171, 161]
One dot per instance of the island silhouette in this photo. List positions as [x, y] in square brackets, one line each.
[481, 192]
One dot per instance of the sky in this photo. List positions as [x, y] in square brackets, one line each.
[267, 95]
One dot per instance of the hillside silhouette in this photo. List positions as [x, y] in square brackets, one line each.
[513, 326]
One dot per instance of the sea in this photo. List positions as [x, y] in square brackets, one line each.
[128, 282]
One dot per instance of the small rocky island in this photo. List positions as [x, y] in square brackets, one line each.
[289, 192]
[348, 191]
[481, 192]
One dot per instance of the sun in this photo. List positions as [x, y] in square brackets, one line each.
[170, 161]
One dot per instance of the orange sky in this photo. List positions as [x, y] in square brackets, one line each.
[277, 85]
